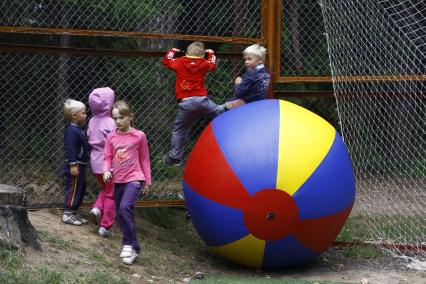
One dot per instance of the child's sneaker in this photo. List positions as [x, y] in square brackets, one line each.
[104, 232]
[170, 161]
[129, 260]
[81, 219]
[127, 251]
[71, 219]
[95, 215]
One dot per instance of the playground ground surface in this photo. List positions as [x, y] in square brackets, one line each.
[173, 253]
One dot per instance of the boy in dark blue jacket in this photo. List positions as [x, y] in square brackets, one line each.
[253, 86]
[75, 163]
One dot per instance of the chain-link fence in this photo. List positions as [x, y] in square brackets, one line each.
[34, 87]
[232, 18]
[36, 81]
[303, 44]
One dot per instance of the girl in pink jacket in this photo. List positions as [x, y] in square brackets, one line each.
[127, 165]
[100, 125]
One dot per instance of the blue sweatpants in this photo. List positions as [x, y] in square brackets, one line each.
[75, 188]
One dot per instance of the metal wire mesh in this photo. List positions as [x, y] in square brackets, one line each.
[303, 44]
[324, 107]
[34, 87]
[236, 18]
[377, 51]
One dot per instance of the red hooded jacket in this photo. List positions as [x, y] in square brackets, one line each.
[190, 73]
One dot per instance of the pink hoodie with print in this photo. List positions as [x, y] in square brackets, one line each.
[101, 101]
[127, 157]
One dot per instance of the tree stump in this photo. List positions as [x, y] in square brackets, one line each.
[16, 230]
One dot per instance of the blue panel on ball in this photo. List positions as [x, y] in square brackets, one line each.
[215, 223]
[331, 187]
[286, 252]
[248, 137]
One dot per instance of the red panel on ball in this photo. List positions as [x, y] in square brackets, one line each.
[209, 174]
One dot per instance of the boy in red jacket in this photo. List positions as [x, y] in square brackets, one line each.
[191, 94]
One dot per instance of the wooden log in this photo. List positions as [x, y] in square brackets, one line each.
[16, 230]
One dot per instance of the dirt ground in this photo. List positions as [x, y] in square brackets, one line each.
[173, 253]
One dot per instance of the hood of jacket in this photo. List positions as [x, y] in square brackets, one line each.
[192, 64]
[101, 101]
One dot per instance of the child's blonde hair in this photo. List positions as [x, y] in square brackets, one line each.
[256, 50]
[124, 109]
[195, 49]
[72, 106]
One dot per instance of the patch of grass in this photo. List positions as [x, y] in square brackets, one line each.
[10, 258]
[54, 240]
[362, 252]
[256, 280]
[36, 276]
[179, 242]
[354, 229]
[162, 217]
[13, 277]
[101, 259]
[47, 275]
[163, 172]
[103, 277]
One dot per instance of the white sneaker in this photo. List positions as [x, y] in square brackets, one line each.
[71, 219]
[127, 251]
[103, 232]
[129, 260]
[95, 215]
[81, 219]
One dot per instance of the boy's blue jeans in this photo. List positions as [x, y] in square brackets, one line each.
[189, 110]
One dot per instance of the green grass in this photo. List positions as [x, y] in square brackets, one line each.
[10, 258]
[356, 228]
[85, 266]
[55, 241]
[99, 258]
[362, 252]
[103, 277]
[43, 275]
[353, 230]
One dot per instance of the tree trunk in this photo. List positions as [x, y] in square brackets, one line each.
[16, 230]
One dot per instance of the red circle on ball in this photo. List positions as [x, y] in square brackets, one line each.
[270, 214]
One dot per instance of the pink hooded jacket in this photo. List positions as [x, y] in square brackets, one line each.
[101, 101]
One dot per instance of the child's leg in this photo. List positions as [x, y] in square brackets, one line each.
[125, 211]
[99, 203]
[75, 189]
[184, 121]
[207, 106]
[234, 104]
[82, 185]
[108, 214]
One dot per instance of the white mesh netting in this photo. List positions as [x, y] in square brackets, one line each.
[377, 56]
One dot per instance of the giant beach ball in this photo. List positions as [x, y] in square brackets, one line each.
[269, 185]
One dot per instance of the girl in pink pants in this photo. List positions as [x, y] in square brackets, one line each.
[101, 101]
